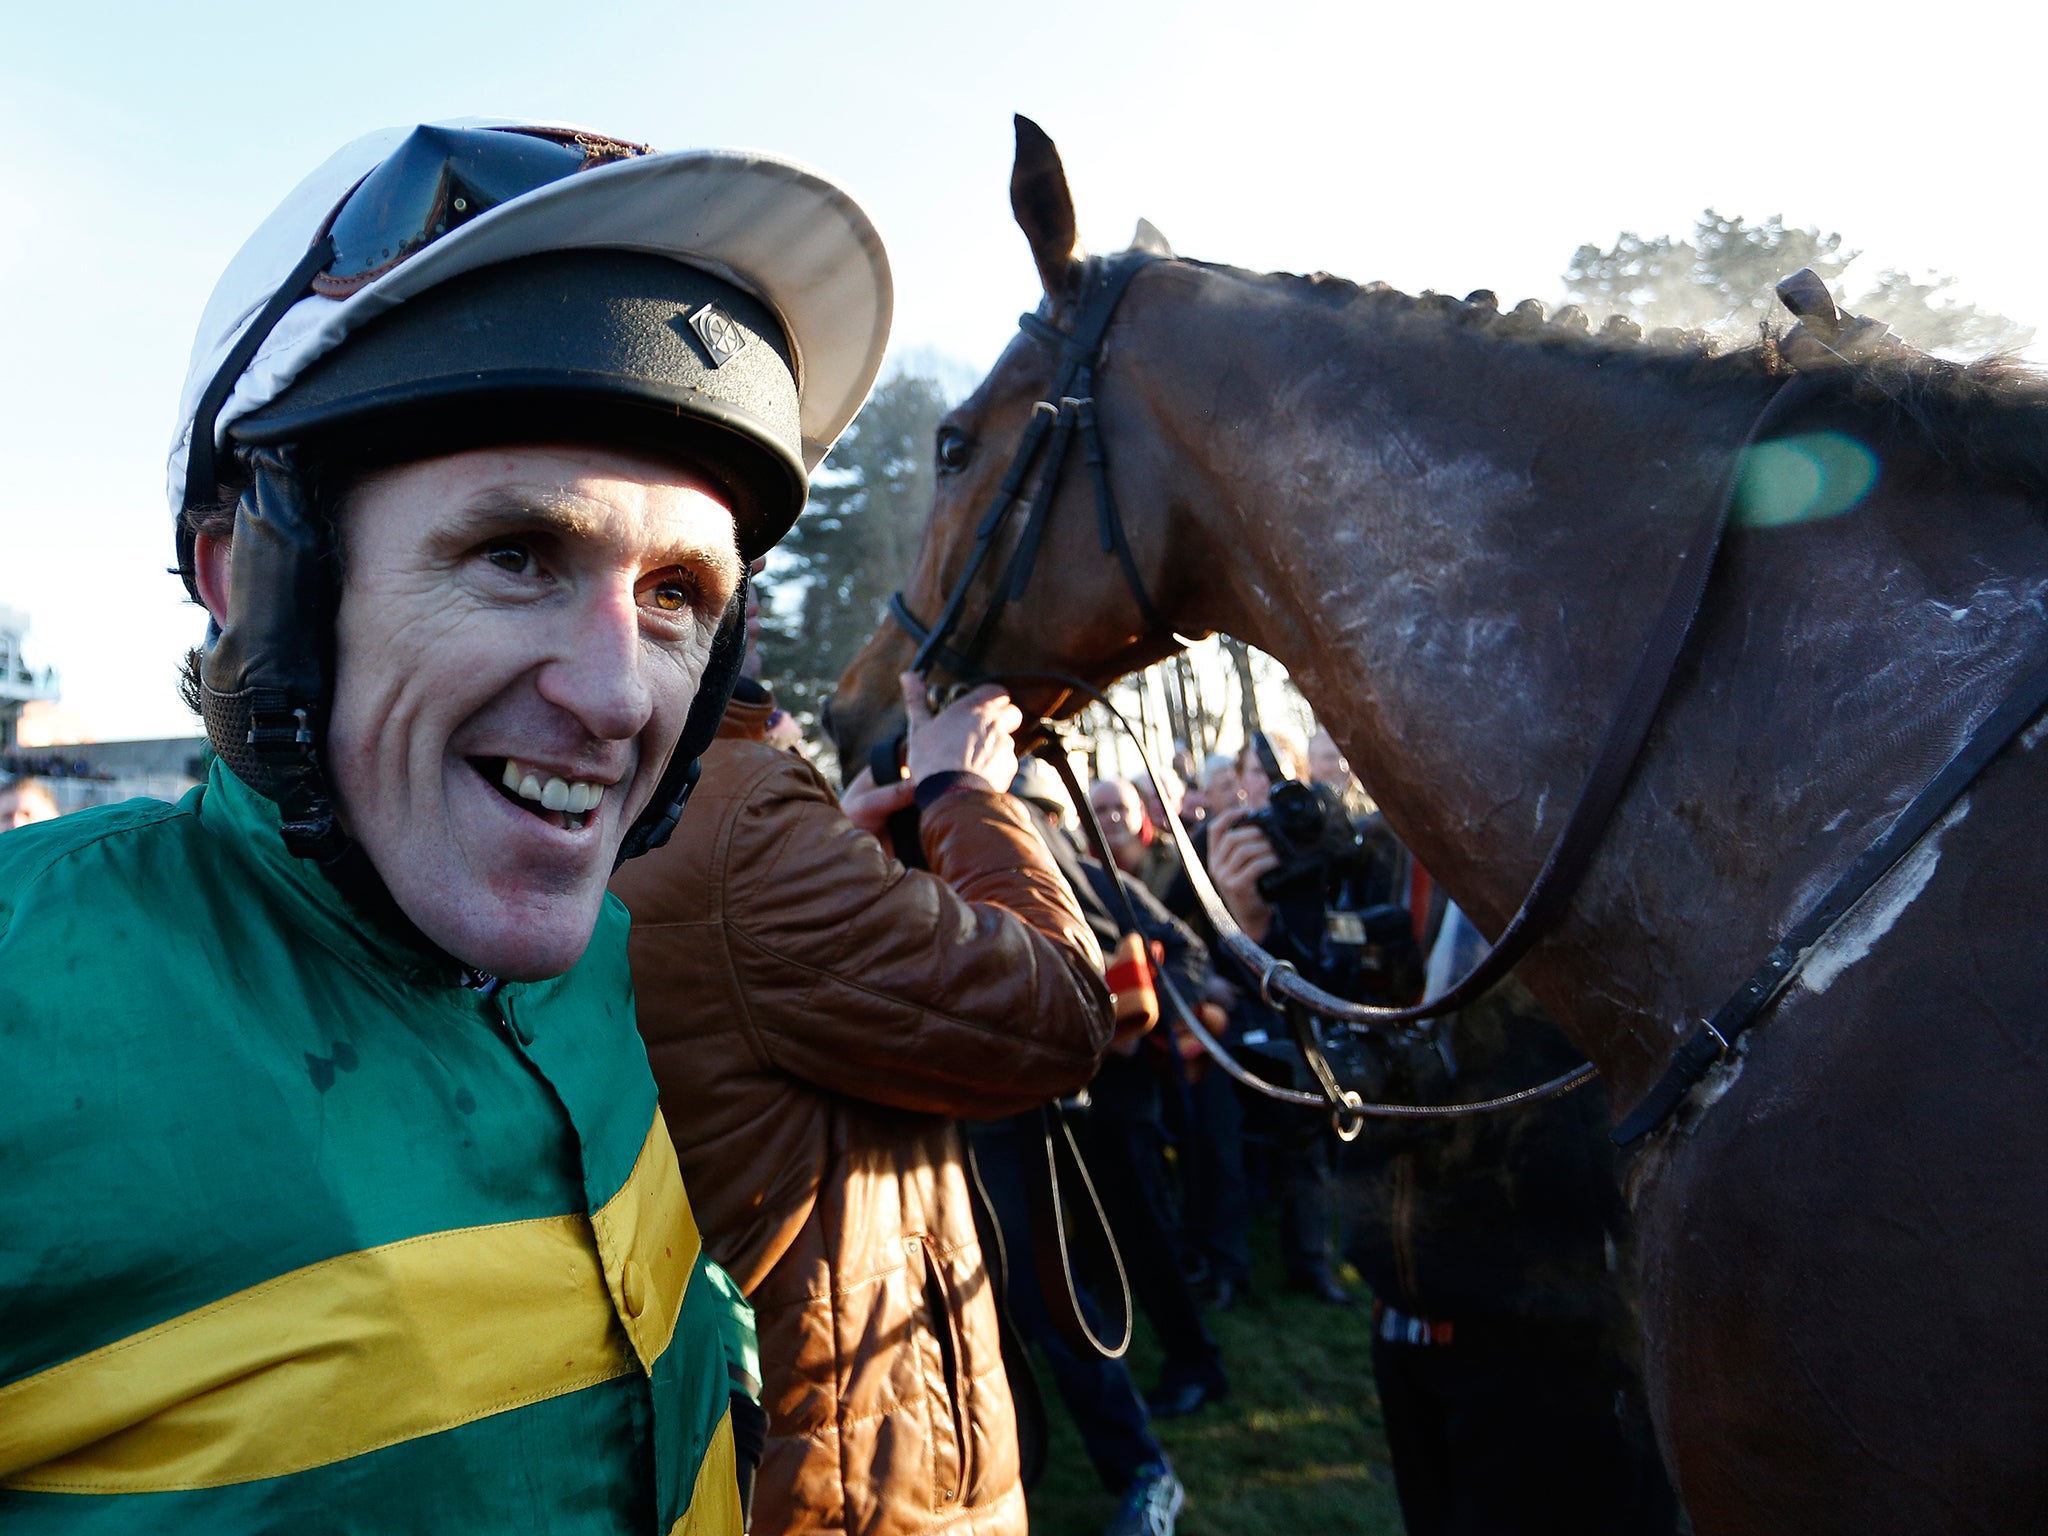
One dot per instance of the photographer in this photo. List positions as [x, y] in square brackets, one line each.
[1314, 888]
[1311, 883]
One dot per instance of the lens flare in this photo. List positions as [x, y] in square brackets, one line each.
[1802, 479]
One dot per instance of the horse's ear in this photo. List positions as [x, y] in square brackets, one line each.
[1146, 238]
[1045, 209]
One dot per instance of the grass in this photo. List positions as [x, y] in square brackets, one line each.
[1297, 1448]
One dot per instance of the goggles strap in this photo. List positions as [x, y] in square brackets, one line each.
[202, 480]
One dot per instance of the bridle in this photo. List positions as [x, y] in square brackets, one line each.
[1712, 1040]
[1051, 429]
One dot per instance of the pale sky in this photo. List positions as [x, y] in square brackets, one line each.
[1446, 147]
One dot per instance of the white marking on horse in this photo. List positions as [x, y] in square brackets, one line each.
[1872, 918]
[1711, 1088]
[2031, 737]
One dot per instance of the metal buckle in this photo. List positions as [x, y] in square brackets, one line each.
[277, 733]
[1273, 968]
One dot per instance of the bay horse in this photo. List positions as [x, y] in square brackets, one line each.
[1453, 526]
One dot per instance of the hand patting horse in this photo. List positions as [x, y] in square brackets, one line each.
[1455, 528]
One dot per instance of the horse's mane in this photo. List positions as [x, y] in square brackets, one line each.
[1984, 421]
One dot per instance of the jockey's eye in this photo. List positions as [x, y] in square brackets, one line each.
[955, 449]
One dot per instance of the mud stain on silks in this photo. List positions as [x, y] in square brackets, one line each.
[321, 1069]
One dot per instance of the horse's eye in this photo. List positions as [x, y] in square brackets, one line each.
[955, 448]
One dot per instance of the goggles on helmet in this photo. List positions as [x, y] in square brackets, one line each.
[436, 181]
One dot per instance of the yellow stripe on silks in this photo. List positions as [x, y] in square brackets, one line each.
[648, 1239]
[715, 1500]
[326, 1362]
[360, 1351]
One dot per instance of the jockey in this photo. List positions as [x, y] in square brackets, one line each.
[336, 1196]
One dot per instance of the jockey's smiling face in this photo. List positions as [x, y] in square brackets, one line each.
[519, 637]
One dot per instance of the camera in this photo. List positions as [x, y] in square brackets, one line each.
[1341, 876]
[1310, 830]
[1312, 834]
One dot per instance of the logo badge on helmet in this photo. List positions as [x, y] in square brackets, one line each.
[721, 337]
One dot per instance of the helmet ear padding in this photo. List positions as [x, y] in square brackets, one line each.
[651, 829]
[266, 682]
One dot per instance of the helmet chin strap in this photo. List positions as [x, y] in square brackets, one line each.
[651, 829]
[266, 689]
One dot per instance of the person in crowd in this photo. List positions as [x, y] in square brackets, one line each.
[1303, 1163]
[1124, 1127]
[1327, 764]
[1254, 783]
[1174, 798]
[1498, 1249]
[1220, 790]
[1216, 1192]
[1121, 816]
[818, 1018]
[338, 1198]
[25, 801]
[1098, 1391]
[1156, 802]
[1141, 849]
[1328, 767]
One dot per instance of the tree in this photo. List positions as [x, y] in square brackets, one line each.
[828, 585]
[1723, 279]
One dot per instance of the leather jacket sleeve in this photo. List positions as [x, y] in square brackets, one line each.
[972, 991]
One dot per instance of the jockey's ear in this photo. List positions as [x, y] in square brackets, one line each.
[1045, 210]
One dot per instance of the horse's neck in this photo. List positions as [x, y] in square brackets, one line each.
[1458, 556]
[1455, 563]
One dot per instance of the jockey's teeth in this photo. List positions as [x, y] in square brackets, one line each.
[552, 794]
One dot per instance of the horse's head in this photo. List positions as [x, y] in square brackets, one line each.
[1071, 606]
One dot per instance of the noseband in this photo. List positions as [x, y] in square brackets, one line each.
[1069, 406]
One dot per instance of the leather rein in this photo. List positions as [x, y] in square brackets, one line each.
[1049, 435]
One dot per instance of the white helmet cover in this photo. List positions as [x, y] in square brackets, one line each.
[780, 231]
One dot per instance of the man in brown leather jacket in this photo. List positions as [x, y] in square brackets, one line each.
[816, 1016]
